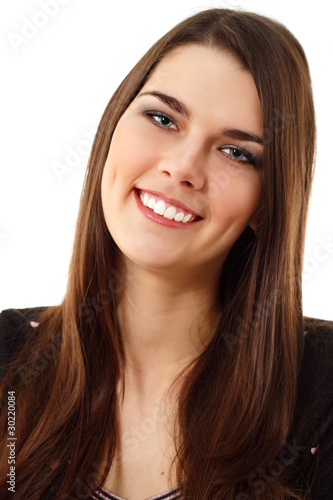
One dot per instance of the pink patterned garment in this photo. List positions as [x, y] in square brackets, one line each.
[172, 494]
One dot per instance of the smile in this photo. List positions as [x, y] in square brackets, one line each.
[161, 209]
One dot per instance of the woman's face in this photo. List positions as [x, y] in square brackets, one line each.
[183, 177]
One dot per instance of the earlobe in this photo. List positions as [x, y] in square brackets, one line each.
[256, 220]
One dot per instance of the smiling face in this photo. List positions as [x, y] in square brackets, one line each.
[183, 177]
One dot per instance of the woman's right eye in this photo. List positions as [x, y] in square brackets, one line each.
[161, 120]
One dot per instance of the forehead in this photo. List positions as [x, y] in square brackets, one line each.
[210, 80]
[199, 54]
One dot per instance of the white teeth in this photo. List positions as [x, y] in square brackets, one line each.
[179, 217]
[159, 207]
[187, 218]
[145, 199]
[170, 213]
[151, 203]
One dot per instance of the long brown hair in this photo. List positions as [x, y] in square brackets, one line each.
[237, 402]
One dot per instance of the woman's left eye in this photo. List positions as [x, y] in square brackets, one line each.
[161, 120]
[238, 154]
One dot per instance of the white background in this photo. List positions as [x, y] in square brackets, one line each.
[56, 81]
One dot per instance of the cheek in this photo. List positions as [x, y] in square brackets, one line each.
[238, 198]
[129, 154]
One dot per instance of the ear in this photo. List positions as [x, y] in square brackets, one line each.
[256, 219]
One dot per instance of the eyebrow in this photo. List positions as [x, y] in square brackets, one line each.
[170, 101]
[180, 107]
[242, 136]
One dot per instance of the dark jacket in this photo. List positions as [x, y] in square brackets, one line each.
[309, 446]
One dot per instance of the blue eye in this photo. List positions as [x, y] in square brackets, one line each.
[238, 154]
[164, 121]
[160, 119]
[235, 153]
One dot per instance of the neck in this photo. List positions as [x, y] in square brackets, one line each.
[165, 321]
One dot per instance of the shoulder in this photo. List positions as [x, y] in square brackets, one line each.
[316, 371]
[312, 430]
[315, 383]
[318, 336]
[15, 326]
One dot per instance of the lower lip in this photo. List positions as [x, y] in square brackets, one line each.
[150, 214]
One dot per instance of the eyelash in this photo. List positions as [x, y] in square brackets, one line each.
[249, 157]
[150, 115]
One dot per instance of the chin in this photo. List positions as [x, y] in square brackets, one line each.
[153, 261]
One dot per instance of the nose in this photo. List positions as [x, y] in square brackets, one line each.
[184, 165]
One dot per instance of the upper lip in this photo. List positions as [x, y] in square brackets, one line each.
[172, 201]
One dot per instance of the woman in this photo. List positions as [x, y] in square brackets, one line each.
[177, 361]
